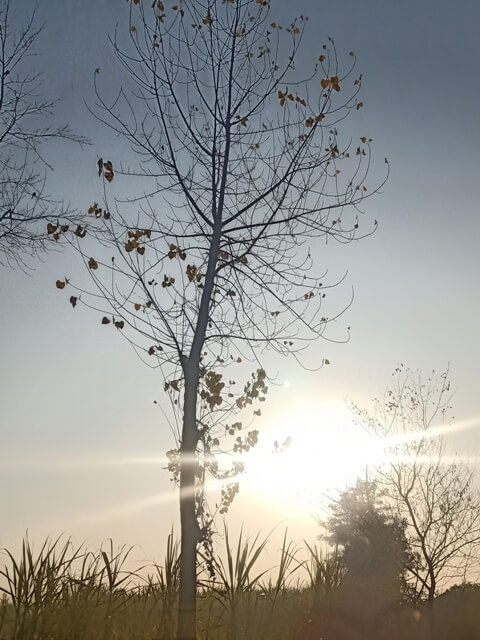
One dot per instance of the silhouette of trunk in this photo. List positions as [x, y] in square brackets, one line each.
[189, 527]
[188, 520]
[430, 602]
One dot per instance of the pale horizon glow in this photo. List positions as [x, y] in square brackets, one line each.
[118, 511]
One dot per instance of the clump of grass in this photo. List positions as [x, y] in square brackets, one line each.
[326, 572]
[62, 591]
[34, 584]
[233, 586]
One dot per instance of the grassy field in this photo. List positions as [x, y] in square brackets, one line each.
[61, 592]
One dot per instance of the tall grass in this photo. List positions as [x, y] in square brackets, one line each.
[63, 591]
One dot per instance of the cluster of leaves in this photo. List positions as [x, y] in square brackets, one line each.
[105, 169]
[98, 212]
[229, 491]
[172, 384]
[211, 393]
[134, 238]
[193, 274]
[283, 96]
[215, 396]
[173, 465]
[253, 389]
[245, 444]
[55, 230]
[118, 324]
[332, 82]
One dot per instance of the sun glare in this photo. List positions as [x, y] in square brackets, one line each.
[308, 454]
[305, 456]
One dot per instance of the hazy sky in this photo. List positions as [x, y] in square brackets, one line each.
[79, 433]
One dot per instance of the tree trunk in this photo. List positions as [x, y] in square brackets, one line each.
[187, 603]
[189, 528]
[430, 610]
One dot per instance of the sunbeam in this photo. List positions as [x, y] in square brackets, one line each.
[84, 461]
[432, 432]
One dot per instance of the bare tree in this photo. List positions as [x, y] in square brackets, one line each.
[30, 220]
[241, 165]
[435, 494]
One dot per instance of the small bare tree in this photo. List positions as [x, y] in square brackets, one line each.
[242, 166]
[436, 495]
[30, 221]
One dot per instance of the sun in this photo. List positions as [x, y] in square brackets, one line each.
[305, 456]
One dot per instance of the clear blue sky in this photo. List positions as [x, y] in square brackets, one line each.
[75, 402]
